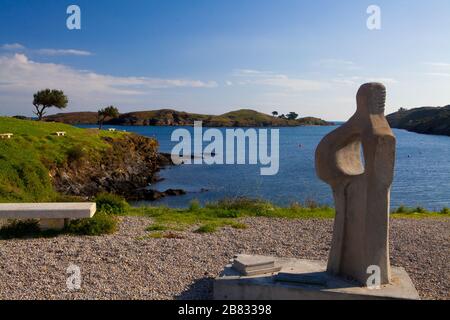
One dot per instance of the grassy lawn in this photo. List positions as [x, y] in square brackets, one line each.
[211, 217]
[26, 158]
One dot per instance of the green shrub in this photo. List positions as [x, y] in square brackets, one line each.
[194, 205]
[401, 209]
[101, 223]
[445, 210]
[207, 228]
[255, 206]
[296, 206]
[20, 229]
[111, 203]
[237, 225]
[420, 210]
[227, 214]
[76, 153]
[311, 204]
[156, 227]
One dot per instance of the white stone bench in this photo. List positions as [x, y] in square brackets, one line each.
[60, 133]
[50, 215]
[112, 129]
[6, 135]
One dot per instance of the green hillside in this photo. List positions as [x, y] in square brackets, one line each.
[169, 117]
[26, 158]
[428, 120]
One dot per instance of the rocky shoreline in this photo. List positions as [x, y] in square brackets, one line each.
[126, 169]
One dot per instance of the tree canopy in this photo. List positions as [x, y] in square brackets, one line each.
[108, 112]
[292, 116]
[47, 98]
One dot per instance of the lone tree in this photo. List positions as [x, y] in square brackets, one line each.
[108, 112]
[275, 113]
[292, 116]
[48, 98]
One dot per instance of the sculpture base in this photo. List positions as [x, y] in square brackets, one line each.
[306, 280]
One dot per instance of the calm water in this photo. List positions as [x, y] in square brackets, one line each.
[422, 175]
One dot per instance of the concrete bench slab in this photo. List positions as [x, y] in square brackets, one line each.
[60, 133]
[6, 135]
[51, 215]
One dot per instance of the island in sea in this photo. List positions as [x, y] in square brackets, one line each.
[427, 120]
[169, 117]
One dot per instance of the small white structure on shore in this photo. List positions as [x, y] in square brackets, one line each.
[112, 129]
[60, 133]
[6, 135]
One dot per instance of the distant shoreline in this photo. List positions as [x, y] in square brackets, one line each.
[425, 120]
[168, 117]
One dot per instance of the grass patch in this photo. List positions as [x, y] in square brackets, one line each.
[35, 149]
[226, 213]
[207, 228]
[157, 227]
[418, 213]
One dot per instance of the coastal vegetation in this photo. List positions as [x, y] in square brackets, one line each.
[229, 213]
[47, 98]
[36, 165]
[428, 120]
[168, 117]
[209, 218]
[108, 112]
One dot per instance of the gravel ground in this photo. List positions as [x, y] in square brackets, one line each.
[127, 266]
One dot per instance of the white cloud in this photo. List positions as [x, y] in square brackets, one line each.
[337, 63]
[438, 69]
[441, 65]
[268, 78]
[13, 46]
[20, 77]
[17, 47]
[63, 52]
[438, 74]
[358, 80]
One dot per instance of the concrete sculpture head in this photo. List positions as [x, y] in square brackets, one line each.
[360, 188]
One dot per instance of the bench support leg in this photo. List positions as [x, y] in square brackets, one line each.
[52, 224]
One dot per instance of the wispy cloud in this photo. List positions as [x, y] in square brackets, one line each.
[63, 52]
[19, 48]
[12, 46]
[442, 65]
[438, 74]
[272, 79]
[358, 80]
[438, 69]
[20, 77]
[337, 64]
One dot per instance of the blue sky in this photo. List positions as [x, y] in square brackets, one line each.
[215, 56]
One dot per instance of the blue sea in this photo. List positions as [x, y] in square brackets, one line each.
[422, 171]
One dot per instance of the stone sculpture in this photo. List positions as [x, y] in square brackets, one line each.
[361, 187]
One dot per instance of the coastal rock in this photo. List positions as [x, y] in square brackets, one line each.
[152, 195]
[427, 120]
[129, 165]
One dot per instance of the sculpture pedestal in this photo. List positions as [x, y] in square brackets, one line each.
[306, 280]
